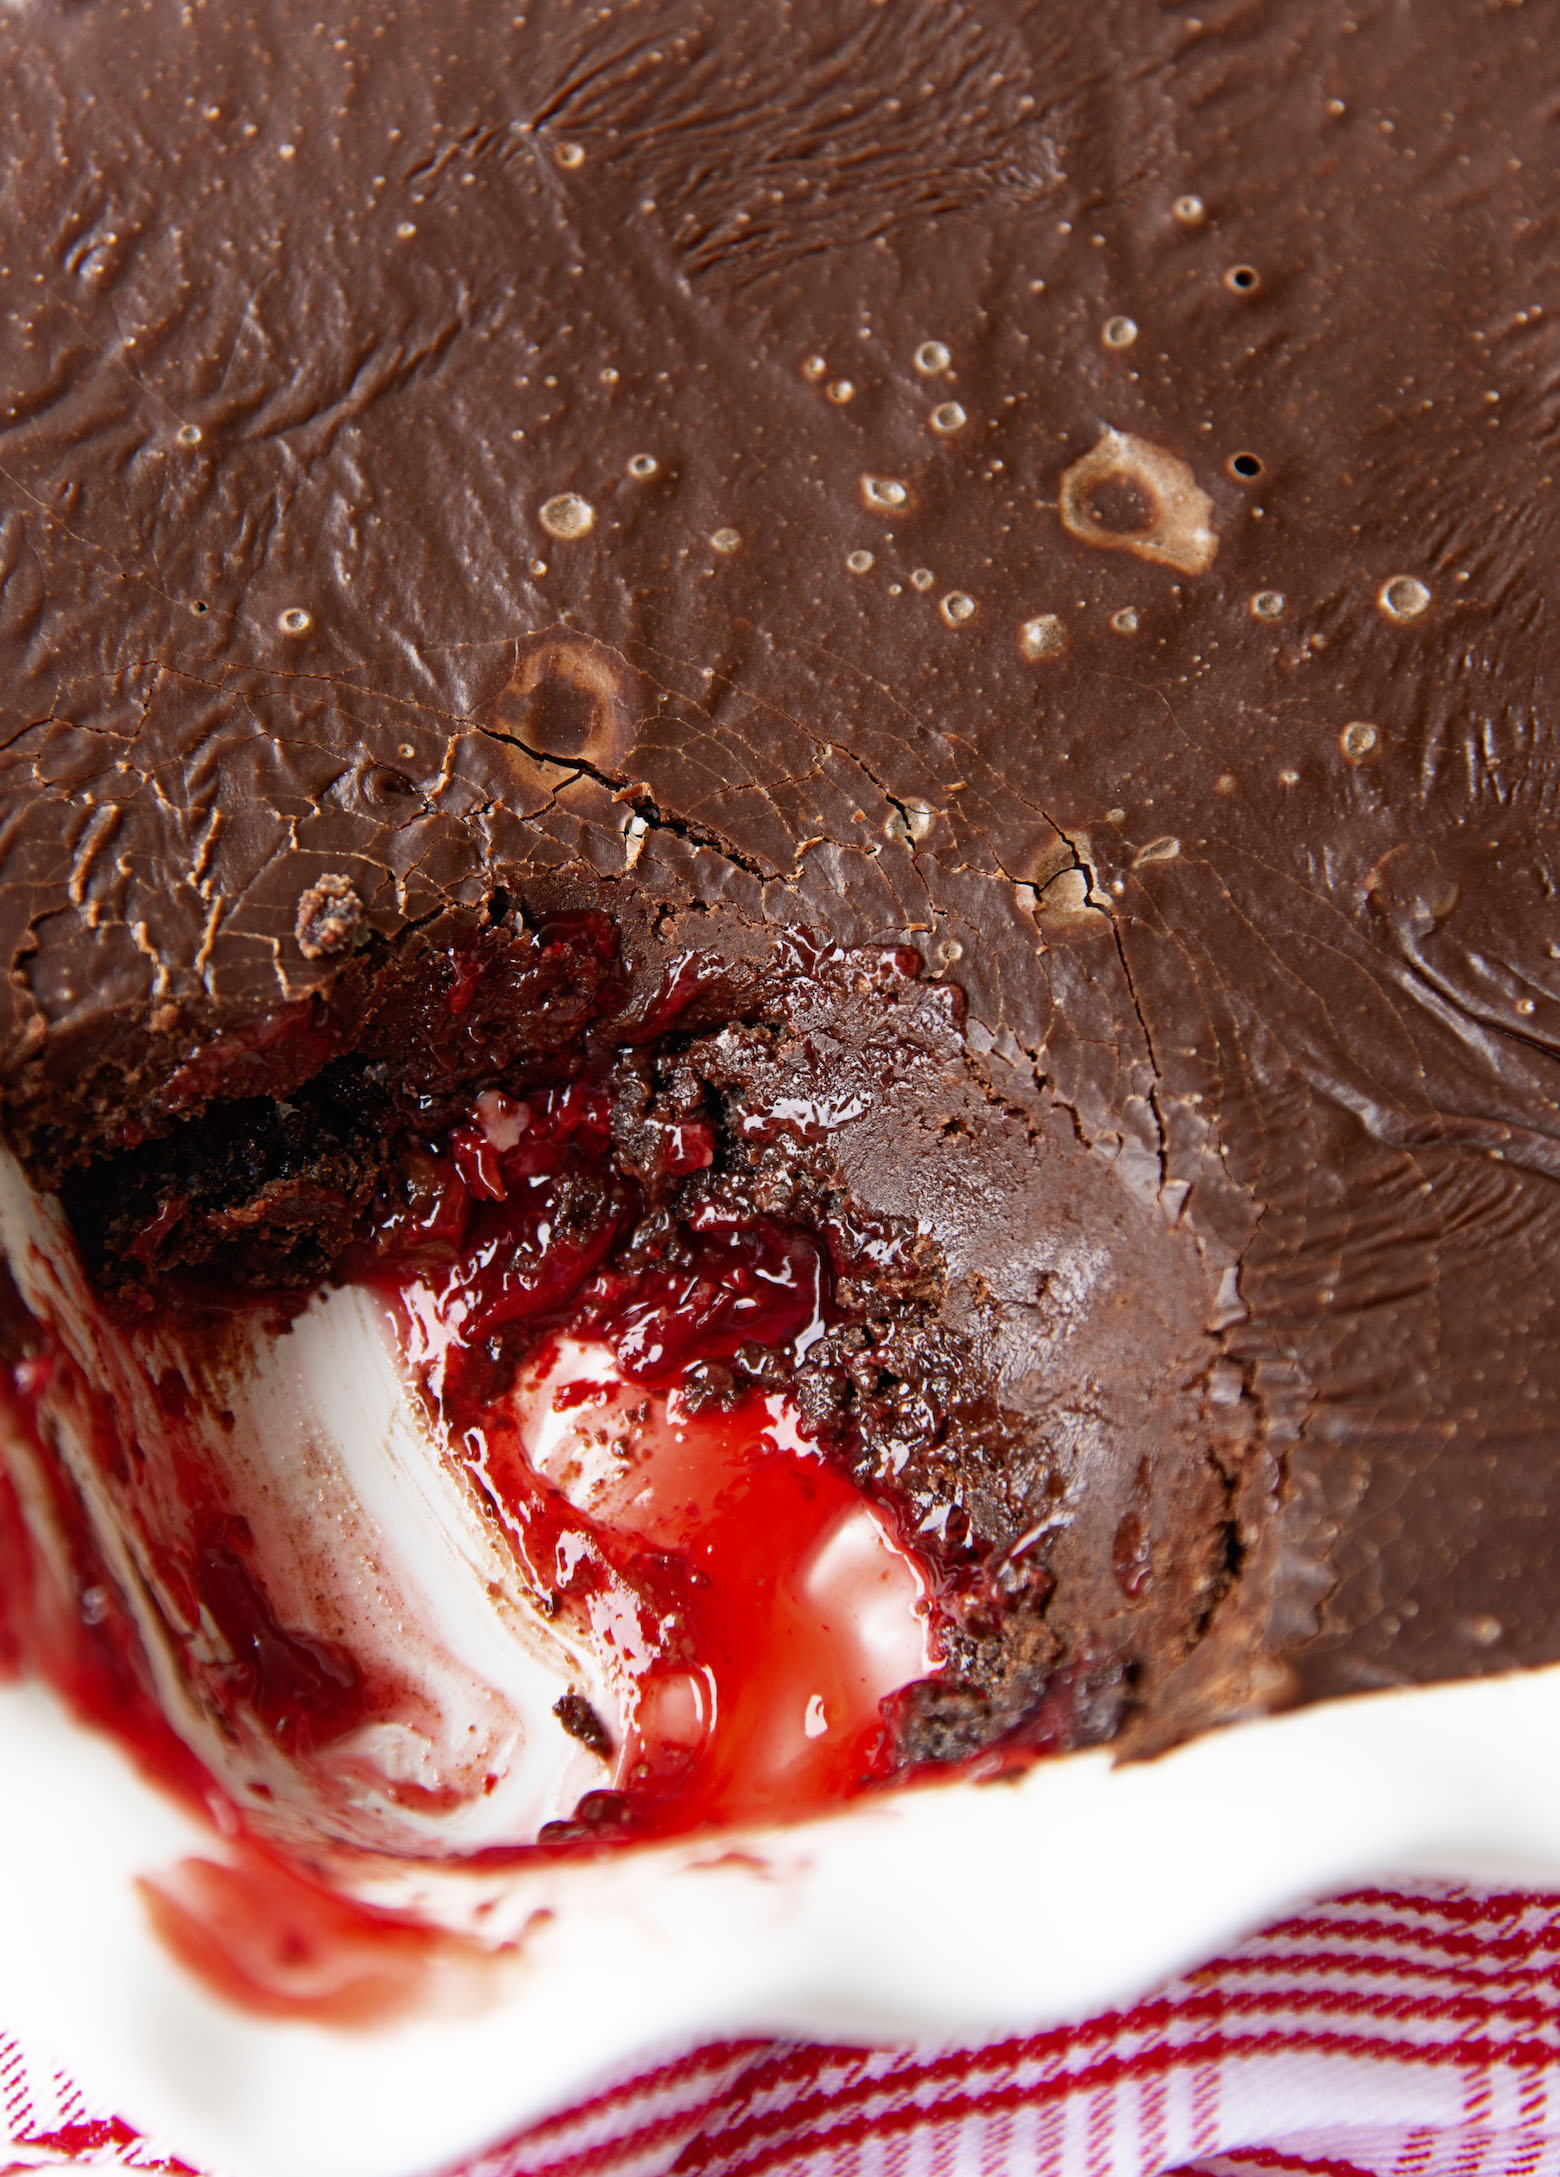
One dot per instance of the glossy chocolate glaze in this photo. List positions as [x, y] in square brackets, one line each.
[469, 465]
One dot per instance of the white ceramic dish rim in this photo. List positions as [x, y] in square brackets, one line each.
[941, 1914]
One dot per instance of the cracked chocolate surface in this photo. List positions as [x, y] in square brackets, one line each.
[454, 469]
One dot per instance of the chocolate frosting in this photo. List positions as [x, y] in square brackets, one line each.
[1067, 490]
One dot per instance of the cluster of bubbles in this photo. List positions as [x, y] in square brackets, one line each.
[567, 515]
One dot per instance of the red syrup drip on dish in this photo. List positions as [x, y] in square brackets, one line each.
[62, 1617]
[260, 1934]
[304, 1692]
[256, 1931]
[753, 1609]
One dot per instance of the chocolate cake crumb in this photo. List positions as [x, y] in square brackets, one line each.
[328, 915]
[581, 1722]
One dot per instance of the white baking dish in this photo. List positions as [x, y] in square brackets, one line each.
[943, 1913]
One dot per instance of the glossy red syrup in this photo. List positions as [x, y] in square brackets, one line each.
[304, 1692]
[752, 1610]
[527, 1250]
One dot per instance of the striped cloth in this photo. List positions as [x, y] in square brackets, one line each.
[1399, 2033]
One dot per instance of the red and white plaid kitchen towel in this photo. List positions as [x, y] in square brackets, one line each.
[1401, 2033]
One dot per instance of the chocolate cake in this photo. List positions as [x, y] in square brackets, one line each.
[852, 701]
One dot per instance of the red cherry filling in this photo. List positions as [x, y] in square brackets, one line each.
[601, 1367]
[753, 1610]
[534, 1212]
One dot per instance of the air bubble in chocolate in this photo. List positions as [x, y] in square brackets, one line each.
[567, 515]
[841, 391]
[295, 621]
[816, 366]
[957, 607]
[1042, 637]
[642, 465]
[1191, 211]
[1178, 531]
[727, 540]
[570, 156]
[1403, 597]
[859, 562]
[188, 434]
[1119, 332]
[922, 578]
[932, 358]
[884, 494]
[1268, 604]
[1125, 622]
[948, 417]
[1358, 739]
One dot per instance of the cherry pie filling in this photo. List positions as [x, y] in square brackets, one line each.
[595, 1368]
[756, 1609]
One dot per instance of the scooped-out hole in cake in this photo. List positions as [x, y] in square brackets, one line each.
[568, 1430]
